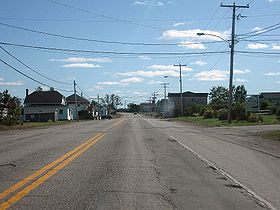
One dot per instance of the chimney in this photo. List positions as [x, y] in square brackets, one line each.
[81, 94]
[26, 92]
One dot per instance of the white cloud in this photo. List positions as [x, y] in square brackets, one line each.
[211, 75]
[149, 3]
[273, 1]
[192, 45]
[217, 75]
[154, 82]
[190, 34]
[255, 46]
[81, 65]
[276, 47]
[95, 88]
[179, 24]
[137, 93]
[256, 29]
[199, 63]
[15, 83]
[272, 74]
[123, 81]
[143, 57]
[156, 73]
[83, 60]
[1, 78]
[241, 80]
[169, 67]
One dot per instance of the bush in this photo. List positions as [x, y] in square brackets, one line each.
[277, 113]
[255, 118]
[209, 113]
[202, 110]
[222, 114]
[238, 111]
[10, 120]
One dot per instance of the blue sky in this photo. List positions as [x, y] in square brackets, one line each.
[135, 76]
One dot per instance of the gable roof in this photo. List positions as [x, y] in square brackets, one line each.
[44, 97]
[188, 94]
[80, 100]
[271, 95]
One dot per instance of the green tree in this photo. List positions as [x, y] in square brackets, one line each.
[218, 97]
[111, 102]
[131, 107]
[13, 105]
[239, 94]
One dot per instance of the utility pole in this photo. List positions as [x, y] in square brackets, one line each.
[76, 107]
[234, 7]
[181, 88]
[98, 106]
[165, 85]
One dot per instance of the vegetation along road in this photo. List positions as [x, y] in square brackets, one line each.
[136, 162]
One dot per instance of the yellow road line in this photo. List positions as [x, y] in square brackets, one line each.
[42, 179]
[44, 169]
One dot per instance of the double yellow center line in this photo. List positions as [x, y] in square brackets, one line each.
[44, 173]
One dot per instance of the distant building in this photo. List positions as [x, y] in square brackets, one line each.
[82, 104]
[147, 107]
[42, 106]
[189, 98]
[273, 97]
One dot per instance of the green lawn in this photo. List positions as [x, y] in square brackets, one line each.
[33, 125]
[273, 135]
[267, 120]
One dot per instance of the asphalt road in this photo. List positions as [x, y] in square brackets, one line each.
[128, 163]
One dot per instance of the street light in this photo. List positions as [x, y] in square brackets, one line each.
[231, 45]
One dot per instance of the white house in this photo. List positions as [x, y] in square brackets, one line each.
[41, 106]
[82, 104]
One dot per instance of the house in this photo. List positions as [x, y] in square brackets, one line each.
[42, 106]
[189, 98]
[82, 105]
[273, 97]
[147, 107]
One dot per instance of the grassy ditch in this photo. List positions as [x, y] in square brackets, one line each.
[33, 125]
[200, 120]
[272, 135]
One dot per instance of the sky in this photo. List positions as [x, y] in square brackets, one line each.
[129, 48]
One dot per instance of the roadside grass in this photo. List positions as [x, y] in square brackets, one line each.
[272, 135]
[33, 125]
[200, 120]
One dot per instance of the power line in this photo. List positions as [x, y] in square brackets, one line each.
[33, 69]
[98, 40]
[258, 52]
[104, 16]
[41, 83]
[261, 31]
[111, 52]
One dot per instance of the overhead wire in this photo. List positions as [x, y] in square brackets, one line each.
[32, 69]
[31, 78]
[104, 16]
[110, 52]
[98, 40]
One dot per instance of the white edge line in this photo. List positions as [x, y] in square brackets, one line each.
[226, 174]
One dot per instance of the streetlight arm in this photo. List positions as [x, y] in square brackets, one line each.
[206, 34]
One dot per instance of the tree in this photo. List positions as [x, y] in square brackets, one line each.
[39, 88]
[111, 102]
[133, 107]
[239, 94]
[13, 105]
[218, 97]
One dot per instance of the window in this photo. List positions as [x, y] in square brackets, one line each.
[61, 111]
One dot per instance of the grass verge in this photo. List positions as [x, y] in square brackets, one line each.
[32, 125]
[200, 120]
[272, 135]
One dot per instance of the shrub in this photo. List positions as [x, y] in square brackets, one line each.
[202, 110]
[277, 113]
[255, 118]
[209, 113]
[10, 120]
[238, 111]
[222, 114]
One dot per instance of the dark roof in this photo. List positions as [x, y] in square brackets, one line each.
[71, 99]
[188, 94]
[44, 97]
[270, 95]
